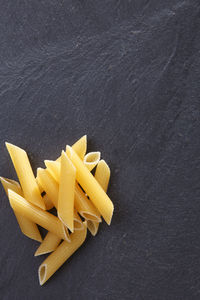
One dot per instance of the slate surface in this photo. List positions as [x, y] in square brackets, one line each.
[127, 73]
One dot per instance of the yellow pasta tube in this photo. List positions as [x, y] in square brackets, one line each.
[84, 206]
[49, 244]
[91, 159]
[49, 185]
[37, 215]
[11, 184]
[66, 192]
[53, 167]
[48, 203]
[25, 174]
[28, 228]
[56, 259]
[80, 147]
[102, 174]
[39, 186]
[93, 227]
[97, 195]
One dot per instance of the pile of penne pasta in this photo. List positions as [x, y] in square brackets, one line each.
[68, 185]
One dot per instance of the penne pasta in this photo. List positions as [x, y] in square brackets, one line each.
[53, 167]
[80, 147]
[93, 227]
[102, 175]
[93, 189]
[84, 206]
[48, 203]
[28, 227]
[40, 187]
[11, 184]
[91, 160]
[56, 259]
[25, 174]
[49, 185]
[68, 185]
[51, 241]
[37, 215]
[66, 192]
[49, 244]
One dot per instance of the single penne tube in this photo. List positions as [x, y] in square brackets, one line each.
[27, 227]
[56, 259]
[37, 215]
[92, 188]
[49, 185]
[102, 174]
[93, 227]
[80, 147]
[91, 159]
[25, 174]
[49, 244]
[66, 192]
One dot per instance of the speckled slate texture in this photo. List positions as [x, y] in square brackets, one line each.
[127, 73]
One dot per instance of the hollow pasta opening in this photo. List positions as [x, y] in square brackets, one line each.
[92, 157]
[78, 225]
[66, 233]
[91, 217]
[91, 227]
[42, 273]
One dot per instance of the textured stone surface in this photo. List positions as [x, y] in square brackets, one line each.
[127, 74]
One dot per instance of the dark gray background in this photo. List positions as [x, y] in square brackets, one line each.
[127, 73]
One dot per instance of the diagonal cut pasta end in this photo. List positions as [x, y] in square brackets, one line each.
[93, 227]
[10, 146]
[91, 159]
[80, 147]
[108, 219]
[42, 272]
[89, 216]
[39, 252]
[66, 234]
